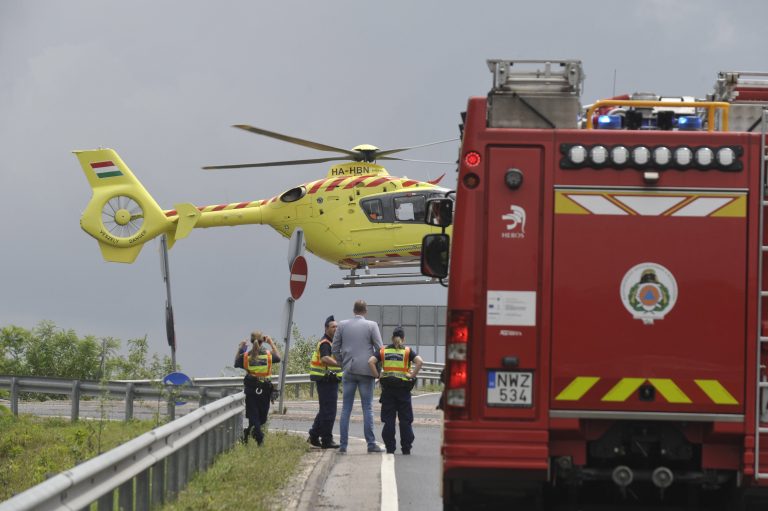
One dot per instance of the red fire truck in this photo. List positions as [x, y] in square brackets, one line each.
[607, 334]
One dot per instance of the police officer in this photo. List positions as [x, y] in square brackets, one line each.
[326, 373]
[257, 383]
[399, 367]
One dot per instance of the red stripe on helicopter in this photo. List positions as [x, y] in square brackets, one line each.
[317, 186]
[408, 183]
[242, 205]
[100, 164]
[415, 253]
[171, 212]
[393, 255]
[335, 183]
[219, 207]
[379, 181]
[355, 182]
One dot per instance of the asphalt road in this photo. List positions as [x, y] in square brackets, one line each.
[417, 475]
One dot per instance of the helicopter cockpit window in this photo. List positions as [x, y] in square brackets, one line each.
[373, 210]
[293, 194]
[410, 208]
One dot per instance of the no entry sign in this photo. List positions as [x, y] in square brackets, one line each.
[298, 277]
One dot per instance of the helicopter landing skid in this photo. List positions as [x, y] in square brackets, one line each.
[353, 279]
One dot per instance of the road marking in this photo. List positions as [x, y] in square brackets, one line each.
[388, 483]
[428, 394]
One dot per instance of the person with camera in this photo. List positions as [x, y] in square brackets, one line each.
[399, 366]
[257, 383]
[326, 373]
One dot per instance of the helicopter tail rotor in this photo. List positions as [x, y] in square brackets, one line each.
[121, 214]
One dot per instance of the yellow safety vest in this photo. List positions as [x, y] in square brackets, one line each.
[317, 369]
[261, 368]
[395, 363]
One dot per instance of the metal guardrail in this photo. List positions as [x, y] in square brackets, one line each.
[152, 468]
[202, 390]
[145, 471]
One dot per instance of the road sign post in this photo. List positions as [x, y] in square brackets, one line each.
[297, 263]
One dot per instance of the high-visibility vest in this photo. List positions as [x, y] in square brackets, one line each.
[395, 363]
[262, 366]
[318, 369]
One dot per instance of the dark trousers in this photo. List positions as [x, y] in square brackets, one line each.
[327, 396]
[396, 403]
[257, 401]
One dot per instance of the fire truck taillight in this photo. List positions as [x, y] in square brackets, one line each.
[457, 358]
[472, 159]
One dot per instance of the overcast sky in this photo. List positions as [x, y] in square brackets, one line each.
[162, 82]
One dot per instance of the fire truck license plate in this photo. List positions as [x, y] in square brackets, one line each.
[510, 388]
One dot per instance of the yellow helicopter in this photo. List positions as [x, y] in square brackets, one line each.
[356, 217]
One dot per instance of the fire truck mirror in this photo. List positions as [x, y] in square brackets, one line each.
[434, 255]
[440, 212]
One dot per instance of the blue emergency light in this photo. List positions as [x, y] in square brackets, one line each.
[689, 123]
[609, 122]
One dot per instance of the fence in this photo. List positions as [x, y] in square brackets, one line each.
[145, 471]
[202, 390]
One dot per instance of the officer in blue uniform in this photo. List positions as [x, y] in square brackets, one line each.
[325, 371]
[399, 367]
[257, 383]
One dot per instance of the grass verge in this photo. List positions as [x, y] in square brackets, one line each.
[33, 449]
[247, 477]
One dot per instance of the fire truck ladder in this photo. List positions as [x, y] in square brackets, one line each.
[761, 397]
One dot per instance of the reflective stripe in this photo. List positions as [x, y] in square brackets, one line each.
[622, 390]
[260, 370]
[577, 388]
[716, 392]
[669, 390]
[397, 365]
[316, 365]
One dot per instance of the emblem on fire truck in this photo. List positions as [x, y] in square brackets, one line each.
[516, 225]
[649, 292]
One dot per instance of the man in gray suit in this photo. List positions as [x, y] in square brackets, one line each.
[354, 342]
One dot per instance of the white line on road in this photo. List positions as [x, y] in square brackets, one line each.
[428, 394]
[388, 483]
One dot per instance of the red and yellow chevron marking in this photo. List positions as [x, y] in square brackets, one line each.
[622, 390]
[221, 207]
[320, 186]
[650, 203]
[345, 183]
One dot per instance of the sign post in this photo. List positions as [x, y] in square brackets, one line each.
[297, 282]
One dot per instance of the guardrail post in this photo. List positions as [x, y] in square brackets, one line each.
[142, 491]
[129, 395]
[125, 496]
[172, 476]
[171, 409]
[157, 495]
[106, 502]
[14, 395]
[183, 464]
[311, 389]
[203, 397]
[75, 415]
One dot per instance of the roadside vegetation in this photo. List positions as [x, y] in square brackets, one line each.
[247, 477]
[33, 449]
[47, 350]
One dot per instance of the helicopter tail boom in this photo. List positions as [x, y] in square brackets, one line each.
[121, 214]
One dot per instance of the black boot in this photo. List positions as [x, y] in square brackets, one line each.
[246, 434]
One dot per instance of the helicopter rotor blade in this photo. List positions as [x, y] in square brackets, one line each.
[417, 161]
[294, 140]
[275, 163]
[393, 151]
